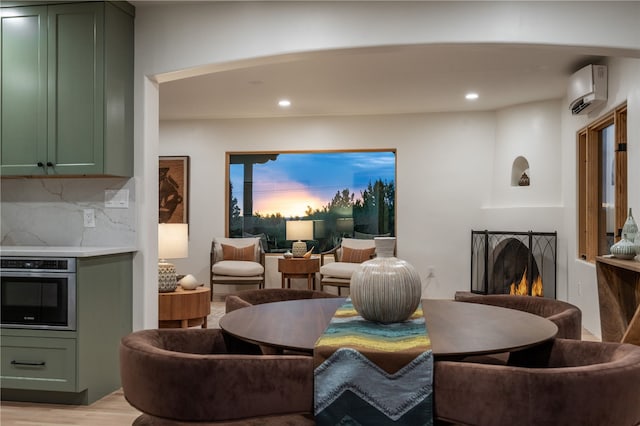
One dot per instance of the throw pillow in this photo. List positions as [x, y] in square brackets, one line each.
[238, 253]
[352, 255]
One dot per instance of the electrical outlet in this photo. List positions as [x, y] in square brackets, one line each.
[89, 218]
[579, 288]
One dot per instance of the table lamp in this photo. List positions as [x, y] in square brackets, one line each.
[299, 230]
[173, 243]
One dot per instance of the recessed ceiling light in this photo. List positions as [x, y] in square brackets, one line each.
[471, 96]
[284, 103]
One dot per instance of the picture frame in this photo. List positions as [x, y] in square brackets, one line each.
[173, 197]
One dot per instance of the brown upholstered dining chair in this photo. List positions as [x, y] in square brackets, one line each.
[205, 377]
[236, 261]
[246, 298]
[564, 382]
[347, 256]
[566, 316]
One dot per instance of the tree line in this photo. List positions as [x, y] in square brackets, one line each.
[372, 213]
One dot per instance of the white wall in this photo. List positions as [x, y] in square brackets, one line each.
[624, 84]
[177, 40]
[446, 167]
[532, 131]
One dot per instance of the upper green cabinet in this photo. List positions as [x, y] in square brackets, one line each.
[67, 90]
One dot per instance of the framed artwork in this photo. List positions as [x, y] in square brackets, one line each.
[174, 190]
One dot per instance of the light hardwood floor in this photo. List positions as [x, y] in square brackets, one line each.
[112, 410]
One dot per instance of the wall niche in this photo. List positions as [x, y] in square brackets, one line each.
[520, 175]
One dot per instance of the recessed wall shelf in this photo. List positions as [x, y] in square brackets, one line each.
[520, 175]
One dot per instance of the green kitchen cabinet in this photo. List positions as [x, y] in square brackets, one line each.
[82, 365]
[67, 90]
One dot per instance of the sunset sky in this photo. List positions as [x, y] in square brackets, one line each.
[294, 181]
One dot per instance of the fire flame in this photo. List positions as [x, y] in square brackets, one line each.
[536, 288]
[522, 288]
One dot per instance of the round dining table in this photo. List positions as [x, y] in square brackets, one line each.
[456, 329]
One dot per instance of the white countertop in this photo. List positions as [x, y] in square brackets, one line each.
[61, 251]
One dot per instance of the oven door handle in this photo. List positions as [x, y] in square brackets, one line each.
[29, 364]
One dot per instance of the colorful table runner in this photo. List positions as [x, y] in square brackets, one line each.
[373, 374]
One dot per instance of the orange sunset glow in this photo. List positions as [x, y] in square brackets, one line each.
[290, 203]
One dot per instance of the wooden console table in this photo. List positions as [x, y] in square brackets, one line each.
[184, 308]
[619, 299]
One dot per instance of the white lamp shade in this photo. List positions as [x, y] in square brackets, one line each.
[299, 230]
[173, 240]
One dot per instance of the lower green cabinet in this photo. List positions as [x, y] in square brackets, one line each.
[79, 366]
[38, 363]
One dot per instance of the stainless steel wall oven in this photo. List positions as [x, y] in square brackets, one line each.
[38, 293]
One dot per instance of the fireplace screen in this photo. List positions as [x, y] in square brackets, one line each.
[521, 263]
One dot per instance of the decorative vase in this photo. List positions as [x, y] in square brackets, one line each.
[308, 254]
[624, 249]
[630, 228]
[298, 248]
[385, 289]
[167, 280]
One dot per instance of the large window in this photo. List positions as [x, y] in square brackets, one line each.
[344, 193]
[602, 183]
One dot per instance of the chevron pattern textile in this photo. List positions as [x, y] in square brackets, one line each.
[368, 373]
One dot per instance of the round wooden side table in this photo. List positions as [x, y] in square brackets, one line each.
[184, 308]
[299, 267]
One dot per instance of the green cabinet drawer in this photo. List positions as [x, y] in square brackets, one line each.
[38, 363]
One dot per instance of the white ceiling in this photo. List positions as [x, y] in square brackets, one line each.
[385, 80]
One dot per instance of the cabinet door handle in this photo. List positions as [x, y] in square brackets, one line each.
[40, 164]
[30, 364]
[49, 164]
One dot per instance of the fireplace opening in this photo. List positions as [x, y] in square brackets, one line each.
[520, 263]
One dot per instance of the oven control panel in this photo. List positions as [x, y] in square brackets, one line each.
[38, 264]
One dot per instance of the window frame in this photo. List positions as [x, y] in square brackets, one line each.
[331, 234]
[589, 178]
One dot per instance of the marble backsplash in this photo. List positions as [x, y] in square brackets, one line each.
[50, 212]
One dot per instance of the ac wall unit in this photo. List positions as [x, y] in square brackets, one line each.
[587, 89]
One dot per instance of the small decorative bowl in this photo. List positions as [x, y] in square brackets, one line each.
[189, 282]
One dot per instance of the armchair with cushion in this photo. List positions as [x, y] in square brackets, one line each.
[236, 261]
[346, 258]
